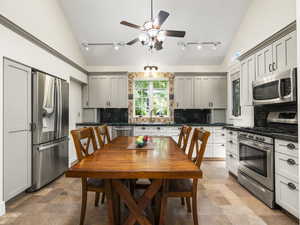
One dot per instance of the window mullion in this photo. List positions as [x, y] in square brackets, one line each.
[150, 97]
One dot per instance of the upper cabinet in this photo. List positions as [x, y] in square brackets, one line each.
[184, 92]
[247, 78]
[210, 92]
[106, 92]
[201, 92]
[279, 56]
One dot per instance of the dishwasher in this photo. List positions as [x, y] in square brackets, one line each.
[118, 131]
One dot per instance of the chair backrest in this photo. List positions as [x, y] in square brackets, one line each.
[184, 137]
[82, 139]
[102, 135]
[198, 143]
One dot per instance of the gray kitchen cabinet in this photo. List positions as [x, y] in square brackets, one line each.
[210, 92]
[264, 60]
[285, 53]
[247, 78]
[85, 95]
[99, 89]
[17, 131]
[108, 92]
[280, 55]
[119, 90]
[184, 92]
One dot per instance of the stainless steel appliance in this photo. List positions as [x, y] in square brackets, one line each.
[50, 125]
[256, 170]
[256, 152]
[118, 131]
[277, 88]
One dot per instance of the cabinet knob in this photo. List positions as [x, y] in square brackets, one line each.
[291, 186]
[270, 68]
[291, 146]
[291, 162]
[274, 66]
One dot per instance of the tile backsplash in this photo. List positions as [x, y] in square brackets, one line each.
[113, 115]
[192, 115]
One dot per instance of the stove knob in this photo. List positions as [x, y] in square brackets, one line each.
[257, 138]
[263, 139]
[250, 136]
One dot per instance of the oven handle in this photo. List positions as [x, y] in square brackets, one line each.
[256, 145]
[254, 183]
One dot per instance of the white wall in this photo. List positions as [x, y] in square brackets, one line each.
[263, 18]
[46, 21]
[75, 114]
[51, 28]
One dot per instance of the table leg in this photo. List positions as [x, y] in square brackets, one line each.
[110, 202]
[137, 208]
[164, 203]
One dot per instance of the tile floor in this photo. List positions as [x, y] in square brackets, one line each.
[222, 201]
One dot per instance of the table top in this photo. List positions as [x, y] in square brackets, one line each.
[165, 161]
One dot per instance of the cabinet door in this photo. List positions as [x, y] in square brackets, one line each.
[16, 128]
[218, 92]
[118, 92]
[285, 52]
[85, 96]
[99, 90]
[202, 98]
[264, 60]
[247, 78]
[184, 92]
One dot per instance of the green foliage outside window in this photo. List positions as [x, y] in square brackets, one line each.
[151, 96]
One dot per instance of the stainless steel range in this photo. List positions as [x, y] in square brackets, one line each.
[256, 171]
[256, 152]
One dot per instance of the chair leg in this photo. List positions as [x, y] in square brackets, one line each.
[84, 200]
[188, 204]
[182, 201]
[97, 197]
[103, 198]
[195, 210]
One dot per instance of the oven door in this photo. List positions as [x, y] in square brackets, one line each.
[256, 160]
[278, 88]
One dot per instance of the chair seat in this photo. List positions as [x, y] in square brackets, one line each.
[180, 185]
[95, 183]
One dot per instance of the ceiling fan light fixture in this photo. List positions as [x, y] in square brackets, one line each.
[161, 36]
[148, 25]
[153, 32]
[144, 38]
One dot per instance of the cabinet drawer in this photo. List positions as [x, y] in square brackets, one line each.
[219, 151]
[220, 137]
[232, 163]
[287, 194]
[232, 147]
[286, 147]
[286, 166]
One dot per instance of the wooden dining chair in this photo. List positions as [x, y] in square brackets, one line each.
[82, 139]
[185, 188]
[183, 139]
[103, 136]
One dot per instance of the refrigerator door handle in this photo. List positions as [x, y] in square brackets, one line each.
[42, 148]
[59, 108]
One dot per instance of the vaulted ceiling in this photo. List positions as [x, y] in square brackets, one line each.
[99, 21]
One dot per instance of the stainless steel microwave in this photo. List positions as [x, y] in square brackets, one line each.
[277, 88]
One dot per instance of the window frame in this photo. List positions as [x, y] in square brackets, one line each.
[150, 89]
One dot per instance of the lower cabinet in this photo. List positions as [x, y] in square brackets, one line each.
[287, 194]
[287, 176]
[232, 152]
[215, 148]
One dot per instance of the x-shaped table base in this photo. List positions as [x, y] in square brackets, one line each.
[136, 208]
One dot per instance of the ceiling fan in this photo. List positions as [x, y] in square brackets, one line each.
[152, 34]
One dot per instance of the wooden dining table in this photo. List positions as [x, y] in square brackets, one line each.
[118, 161]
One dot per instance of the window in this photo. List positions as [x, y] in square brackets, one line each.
[236, 107]
[151, 97]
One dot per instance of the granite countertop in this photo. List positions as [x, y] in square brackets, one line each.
[286, 137]
[150, 124]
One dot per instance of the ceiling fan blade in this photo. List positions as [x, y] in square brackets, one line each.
[175, 33]
[132, 42]
[160, 19]
[131, 25]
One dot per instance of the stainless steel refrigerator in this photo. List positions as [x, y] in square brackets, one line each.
[50, 126]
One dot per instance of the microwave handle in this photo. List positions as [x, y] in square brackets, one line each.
[279, 89]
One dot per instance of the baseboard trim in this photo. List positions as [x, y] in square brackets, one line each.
[2, 208]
